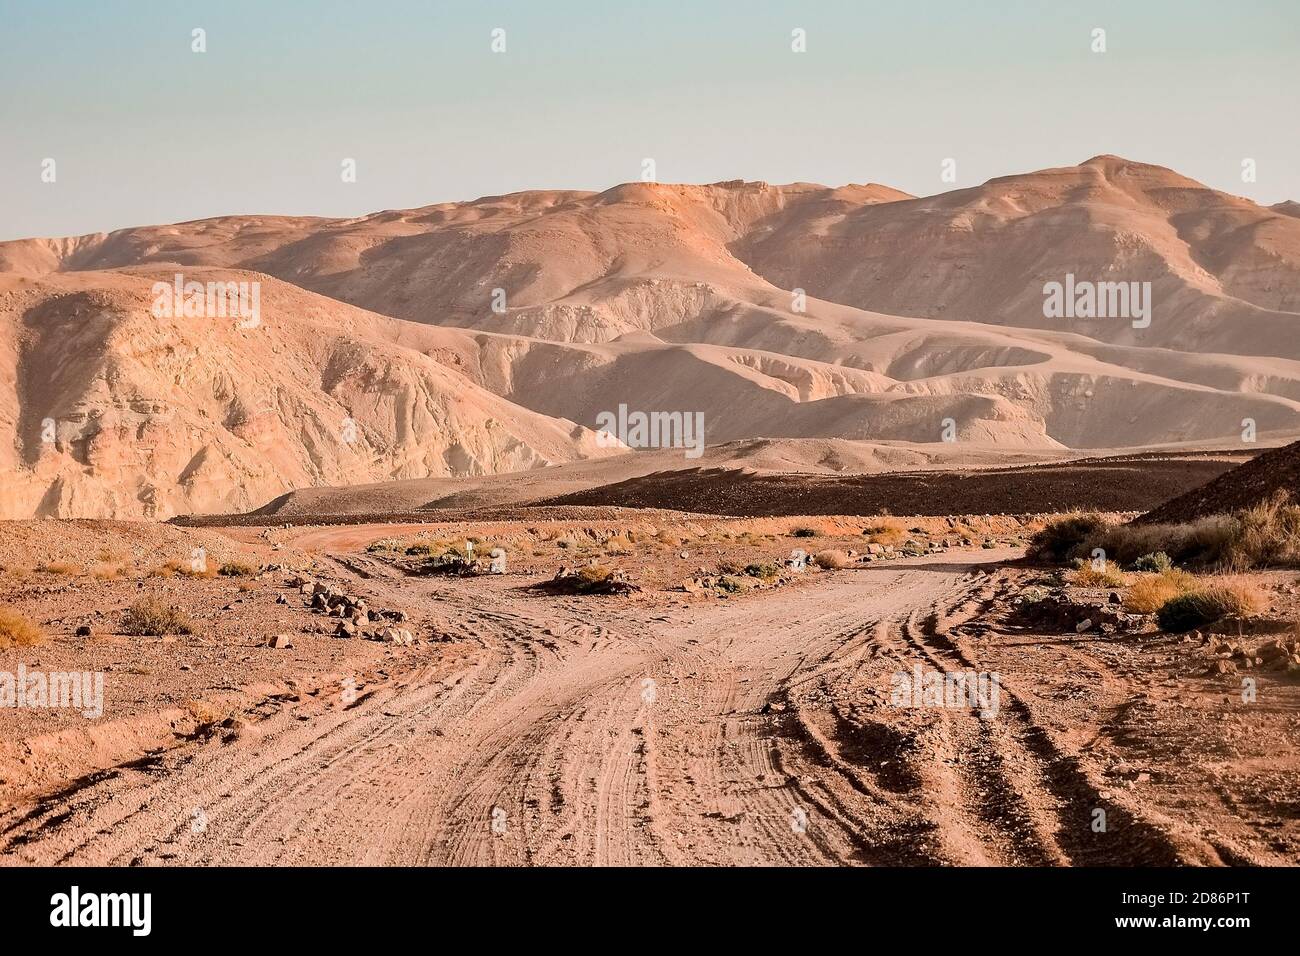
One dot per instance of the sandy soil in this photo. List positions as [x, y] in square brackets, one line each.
[667, 727]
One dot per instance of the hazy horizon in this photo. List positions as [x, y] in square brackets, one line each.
[143, 130]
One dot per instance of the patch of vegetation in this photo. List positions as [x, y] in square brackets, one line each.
[450, 563]
[185, 569]
[1208, 604]
[1156, 561]
[832, 560]
[590, 579]
[618, 544]
[17, 630]
[884, 534]
[58, 567]
[1267, 533]
[1151, 592]
[237, 569]
[1088, 575]
[1066, 537]
[764, 571]
[803, 533]
[149, 617]
[1263, 535]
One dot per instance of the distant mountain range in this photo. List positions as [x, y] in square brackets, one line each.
[485, 337]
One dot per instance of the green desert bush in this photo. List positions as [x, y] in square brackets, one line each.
[1156, 561]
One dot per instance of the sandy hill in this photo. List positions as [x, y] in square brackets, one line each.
[665, 297]
[113, 410]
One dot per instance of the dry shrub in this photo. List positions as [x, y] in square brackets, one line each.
[672, 539]
[57, 567]
[1210, 602]
[17, 630]
[1108, 576]
[618, 544]
[236, 569]
[1205, 542]
[203, 712]
[451, 563]
[184, 568]
[886, 534]
[1066, 537]
[595, 573]
[106, 572]
[589, 579]
[832, 560]
[1267, 533]
[151, 618]
[1150, 592]
[418, 549]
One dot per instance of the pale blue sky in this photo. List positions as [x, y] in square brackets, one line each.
[144, 131]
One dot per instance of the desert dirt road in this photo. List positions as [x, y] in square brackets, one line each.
[596, 731]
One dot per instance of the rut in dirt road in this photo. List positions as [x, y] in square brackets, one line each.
[578, 732]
